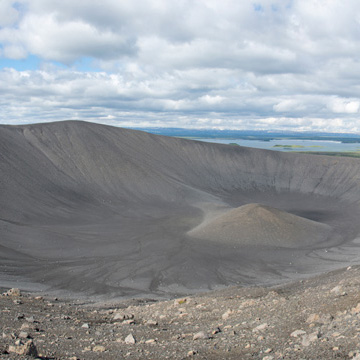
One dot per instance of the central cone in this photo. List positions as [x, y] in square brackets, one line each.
[256, 224]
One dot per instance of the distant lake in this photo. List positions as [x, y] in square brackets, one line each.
[290, 145]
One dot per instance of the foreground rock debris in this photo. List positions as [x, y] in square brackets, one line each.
[302, 320]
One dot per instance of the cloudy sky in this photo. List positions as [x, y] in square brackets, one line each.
[228, 64]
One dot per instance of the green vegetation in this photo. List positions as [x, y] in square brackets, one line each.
[296, 146]
[290, 146]
[353, 154]
[234, 144]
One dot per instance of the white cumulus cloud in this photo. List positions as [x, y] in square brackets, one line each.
[193, 63]
[8, 14]
[344, 106]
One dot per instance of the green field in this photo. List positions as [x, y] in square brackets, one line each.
[353, 154]
[296, 146]
[289, 146]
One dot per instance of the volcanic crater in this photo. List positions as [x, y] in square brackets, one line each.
[94, 210]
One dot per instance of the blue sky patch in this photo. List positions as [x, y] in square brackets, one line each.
[30, 63]
[258, 7]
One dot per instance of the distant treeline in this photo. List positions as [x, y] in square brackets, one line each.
[252, 135]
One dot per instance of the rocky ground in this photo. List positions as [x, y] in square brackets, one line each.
[317, 318]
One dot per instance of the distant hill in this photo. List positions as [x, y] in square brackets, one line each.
[265, 135]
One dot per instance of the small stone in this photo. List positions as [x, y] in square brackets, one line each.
[200, 335]
[25, 326]
[118, 316]
[150, 341]
[151, 323]
[335, 348]
[13, 292]
[216, 331]
[308, 339]
[337, 290]
[261, 327]
[191, 353]
[268, 351]
[85, 326]
[30, 319]
[180, 301]
[130, 339]
[20, 317]
[123, 316]
[28, 349]
[297, 333]
[313, 318]
[99, 348]
[23, 335]
[226, 315]
[268, 358]
[326, 318]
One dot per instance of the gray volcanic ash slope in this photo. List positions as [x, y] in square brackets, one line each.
[95, 209]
